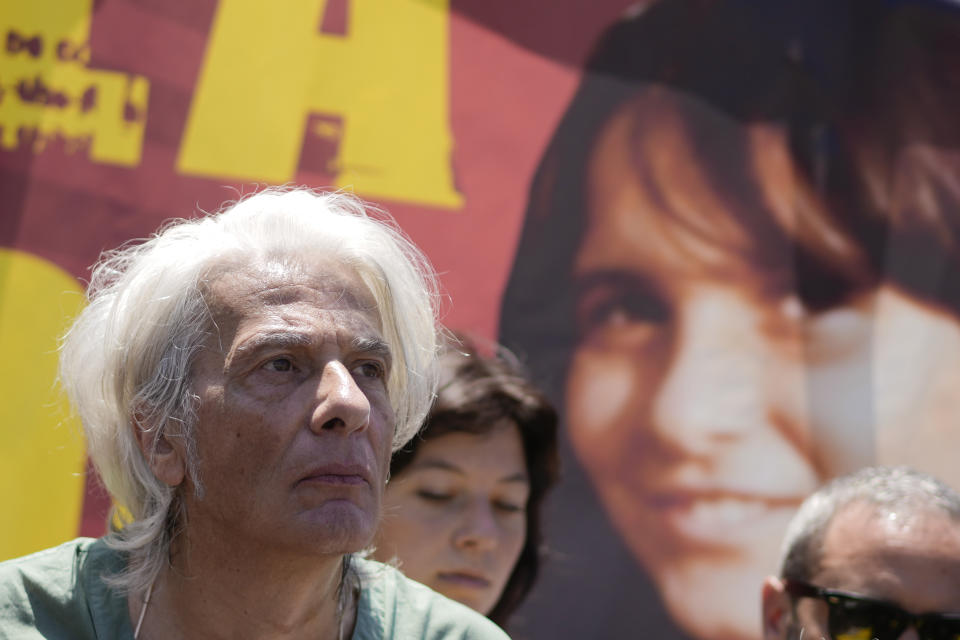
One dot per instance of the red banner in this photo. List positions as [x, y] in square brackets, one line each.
[722, 234]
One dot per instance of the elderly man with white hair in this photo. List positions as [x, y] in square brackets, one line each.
[242, 379]
[874, 555]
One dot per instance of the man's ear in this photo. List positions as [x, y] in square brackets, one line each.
[776, 609]
[166, 459]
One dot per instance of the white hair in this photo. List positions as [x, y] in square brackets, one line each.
[126, 361]
[899, 490]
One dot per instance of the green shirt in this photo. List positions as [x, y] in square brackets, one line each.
[58, 594]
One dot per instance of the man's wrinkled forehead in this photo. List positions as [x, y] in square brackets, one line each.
[273, 281]
[245, 290]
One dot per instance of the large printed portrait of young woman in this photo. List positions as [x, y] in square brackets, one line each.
[740, 276]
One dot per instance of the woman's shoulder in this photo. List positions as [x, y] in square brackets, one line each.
[393, 606]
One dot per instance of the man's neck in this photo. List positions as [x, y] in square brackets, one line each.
[212, 591]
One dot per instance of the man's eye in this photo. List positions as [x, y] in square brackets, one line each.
[371, 370]
[280, 365]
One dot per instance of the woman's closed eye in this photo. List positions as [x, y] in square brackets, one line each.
[509, 506]
[442, 497]
[435, 496]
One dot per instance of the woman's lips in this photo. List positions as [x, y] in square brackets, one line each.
[718, 518]
[464, 579]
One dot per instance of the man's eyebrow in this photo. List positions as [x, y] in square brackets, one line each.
[373, 346]
[274, 339]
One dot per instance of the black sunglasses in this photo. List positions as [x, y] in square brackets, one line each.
[854, 617]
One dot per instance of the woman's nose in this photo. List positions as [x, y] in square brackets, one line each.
[478, 530]
[340, 403]
[713, 389]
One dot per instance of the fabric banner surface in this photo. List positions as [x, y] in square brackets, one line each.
[723, 235]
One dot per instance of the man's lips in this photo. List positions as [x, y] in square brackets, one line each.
[337, 474]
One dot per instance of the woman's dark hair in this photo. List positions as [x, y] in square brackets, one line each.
[866, 93]
[477, 392]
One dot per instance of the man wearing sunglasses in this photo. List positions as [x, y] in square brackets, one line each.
[874, 555]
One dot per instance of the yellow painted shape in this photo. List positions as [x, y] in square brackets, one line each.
[102, 131]
[267, 67]
[42, 454]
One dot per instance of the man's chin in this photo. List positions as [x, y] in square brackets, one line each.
[337, 529]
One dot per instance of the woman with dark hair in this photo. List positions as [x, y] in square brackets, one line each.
[462, 509]
[740, 276]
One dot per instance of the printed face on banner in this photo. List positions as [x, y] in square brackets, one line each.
[707, 396]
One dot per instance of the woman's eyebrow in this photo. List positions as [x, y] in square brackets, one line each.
[436, 463]
[519, 477]
[612, 276]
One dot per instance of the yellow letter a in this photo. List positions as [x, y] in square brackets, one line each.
[268, 68]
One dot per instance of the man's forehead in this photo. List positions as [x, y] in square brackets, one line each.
[276, 283]
[285, 295]
[910, 556]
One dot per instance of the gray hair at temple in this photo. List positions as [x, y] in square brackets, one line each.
[126, 362]
[898, 490]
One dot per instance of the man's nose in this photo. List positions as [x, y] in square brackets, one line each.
[713, 390]
[340, 403]
[478, 531]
